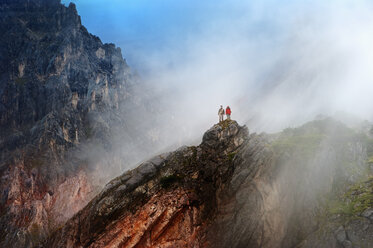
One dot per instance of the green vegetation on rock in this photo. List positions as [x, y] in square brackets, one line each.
[231, 156]
[306, 140]
[225, 124]
[358, 198]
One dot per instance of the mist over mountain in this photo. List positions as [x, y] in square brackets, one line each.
[95, 154]
[304, 187]
[277, 64]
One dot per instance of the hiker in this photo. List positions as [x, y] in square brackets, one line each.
[228, 112]
[221, 113]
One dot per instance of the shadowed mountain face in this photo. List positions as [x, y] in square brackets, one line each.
[235, 190]
[65, 99]
[50, 62]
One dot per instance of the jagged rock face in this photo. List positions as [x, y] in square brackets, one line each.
[188, 198]
[59, 87]
[233, 190]
[50, 61]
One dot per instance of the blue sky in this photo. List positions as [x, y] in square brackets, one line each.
[142, 25]
[145, 26]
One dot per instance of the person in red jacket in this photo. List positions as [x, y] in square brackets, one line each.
[228, 112]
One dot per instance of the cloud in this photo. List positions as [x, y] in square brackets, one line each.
[277, 64]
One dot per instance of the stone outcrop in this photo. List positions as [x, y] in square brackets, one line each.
[233, 190]
[187, 198]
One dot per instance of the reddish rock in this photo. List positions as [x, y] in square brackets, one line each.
[174, 200]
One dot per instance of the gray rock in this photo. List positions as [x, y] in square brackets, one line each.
[146, 168]
[136, 178]
[367, 213]
[358, 233]
[158, 160]
[121, 188]
[340, 234]
[347, 244]
[113, 183]
[124, 178]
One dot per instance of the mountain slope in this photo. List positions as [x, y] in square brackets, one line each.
[233, 190]
[173, 199]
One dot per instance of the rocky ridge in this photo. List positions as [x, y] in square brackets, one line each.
[187, 198]
[233, 190]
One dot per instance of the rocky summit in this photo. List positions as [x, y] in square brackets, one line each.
[233, 190]
[186, 198]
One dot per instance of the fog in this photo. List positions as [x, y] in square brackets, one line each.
[275, 64]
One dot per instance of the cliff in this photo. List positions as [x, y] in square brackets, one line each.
[65, 99]
[174, 199]
[233, 190]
